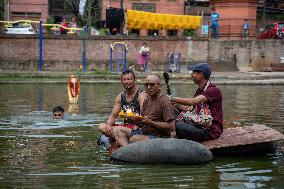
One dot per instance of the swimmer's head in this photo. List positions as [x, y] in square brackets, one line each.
[58, 112]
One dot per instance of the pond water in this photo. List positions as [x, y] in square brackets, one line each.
[39, 152]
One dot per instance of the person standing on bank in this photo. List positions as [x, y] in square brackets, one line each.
[214, 23]
[200, 118]
[144, 56]
[245, 29]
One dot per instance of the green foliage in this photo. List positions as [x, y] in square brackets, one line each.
[95, 71]
[101, 72]
[189, 32]
[50, 20]
[276, 17]
[96, 9]
[1, 9]
[103, 31]
[91, 6]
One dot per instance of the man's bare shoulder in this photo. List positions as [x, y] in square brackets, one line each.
[118, 97]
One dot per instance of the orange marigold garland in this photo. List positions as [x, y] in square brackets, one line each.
[73, 89]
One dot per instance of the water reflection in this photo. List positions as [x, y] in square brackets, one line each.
[37, 151]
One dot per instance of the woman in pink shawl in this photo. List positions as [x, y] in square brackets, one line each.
[143, 57]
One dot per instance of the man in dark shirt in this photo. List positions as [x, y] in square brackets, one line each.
[157, 120]
[206, 94]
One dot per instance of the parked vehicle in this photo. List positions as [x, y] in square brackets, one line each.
[272, 31]
[281, 59]
[20, 28]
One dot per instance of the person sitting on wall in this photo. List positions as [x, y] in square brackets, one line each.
[64, 24]
[73, 23]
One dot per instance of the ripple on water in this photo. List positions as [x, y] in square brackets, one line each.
[244, 175]
[45, 153]
[43, 120]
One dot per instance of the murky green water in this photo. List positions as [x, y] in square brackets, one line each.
[39, 152]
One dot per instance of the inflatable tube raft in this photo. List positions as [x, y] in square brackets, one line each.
[176, 151]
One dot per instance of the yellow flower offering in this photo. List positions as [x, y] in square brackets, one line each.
[121, 113]
[129, 113]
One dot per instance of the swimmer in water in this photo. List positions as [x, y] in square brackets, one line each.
[58, 112]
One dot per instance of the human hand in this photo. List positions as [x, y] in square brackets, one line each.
[180, 107]
[109, 131]
[134, 119]
[146, 120]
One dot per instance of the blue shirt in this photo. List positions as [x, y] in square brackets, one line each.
[214, 18]
[245, 26]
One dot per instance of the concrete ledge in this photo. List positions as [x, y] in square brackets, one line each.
[245, 69]
[230, 78]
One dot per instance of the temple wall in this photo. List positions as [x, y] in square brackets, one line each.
[64, 53]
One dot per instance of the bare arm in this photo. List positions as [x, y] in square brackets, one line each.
[179, 106]
[115, 111]
[189, 101]
[164, 126]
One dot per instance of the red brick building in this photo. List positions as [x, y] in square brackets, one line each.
[156, 6]
[232, 16]
[25, 9]
[232, 12]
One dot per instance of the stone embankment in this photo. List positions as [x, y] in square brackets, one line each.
[181, 78]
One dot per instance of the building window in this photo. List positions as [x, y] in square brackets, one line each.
[134, 32]
[172, 32]
[57, 4]
[147, 7]
[26, 14]
[153, 32]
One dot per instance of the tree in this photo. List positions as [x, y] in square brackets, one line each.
[1, 9]
[92, 11]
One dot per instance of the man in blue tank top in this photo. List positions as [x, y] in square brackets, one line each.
[157, 121]
[132, 98]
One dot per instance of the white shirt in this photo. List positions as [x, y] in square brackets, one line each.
[144, 49]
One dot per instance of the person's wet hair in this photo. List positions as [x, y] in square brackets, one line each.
[58, 109]
[127, 72]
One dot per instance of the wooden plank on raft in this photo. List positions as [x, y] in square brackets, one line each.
[241, 136]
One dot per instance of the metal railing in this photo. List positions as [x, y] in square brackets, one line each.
[55, 26]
